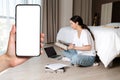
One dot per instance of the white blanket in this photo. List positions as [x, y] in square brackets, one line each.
[107, 41]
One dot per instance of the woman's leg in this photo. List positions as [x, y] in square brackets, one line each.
[83, 60]
[69, 53]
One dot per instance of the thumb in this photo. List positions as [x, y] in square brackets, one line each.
[12, 34]
[11, 42]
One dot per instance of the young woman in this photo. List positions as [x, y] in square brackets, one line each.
[81, 52]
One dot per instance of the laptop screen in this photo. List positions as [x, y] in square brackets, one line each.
[50, 51]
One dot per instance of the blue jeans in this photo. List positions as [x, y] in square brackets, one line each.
[82, 60]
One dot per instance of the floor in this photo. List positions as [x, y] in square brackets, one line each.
[34, 69]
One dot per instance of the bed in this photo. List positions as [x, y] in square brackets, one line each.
[107, 41]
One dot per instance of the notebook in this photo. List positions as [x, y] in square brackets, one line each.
[50, 51]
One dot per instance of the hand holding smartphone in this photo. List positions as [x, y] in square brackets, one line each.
[28, 27]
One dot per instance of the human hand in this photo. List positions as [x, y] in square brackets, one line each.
[71, 46]
[14, 60]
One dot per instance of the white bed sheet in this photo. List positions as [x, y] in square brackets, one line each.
[107, 41]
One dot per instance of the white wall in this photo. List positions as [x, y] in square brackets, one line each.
[65, 12]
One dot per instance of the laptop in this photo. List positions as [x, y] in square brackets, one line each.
[51, 53]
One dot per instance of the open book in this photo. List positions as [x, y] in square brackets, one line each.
[62, 44]
[55, 67]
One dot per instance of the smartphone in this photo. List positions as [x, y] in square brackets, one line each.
[28, 27]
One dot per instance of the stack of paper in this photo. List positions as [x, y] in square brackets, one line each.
[56, 66]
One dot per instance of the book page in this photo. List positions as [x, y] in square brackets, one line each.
[56, 66]
[63, 42]
[61, 45]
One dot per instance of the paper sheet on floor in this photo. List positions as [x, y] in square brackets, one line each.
[56, 66]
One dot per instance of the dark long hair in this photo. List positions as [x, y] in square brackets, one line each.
[80, 22]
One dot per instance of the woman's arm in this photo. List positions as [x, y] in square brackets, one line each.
[83, 48]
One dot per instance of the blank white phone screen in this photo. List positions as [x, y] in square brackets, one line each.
[28, 30]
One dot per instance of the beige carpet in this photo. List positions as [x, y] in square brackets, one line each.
[34, 69]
